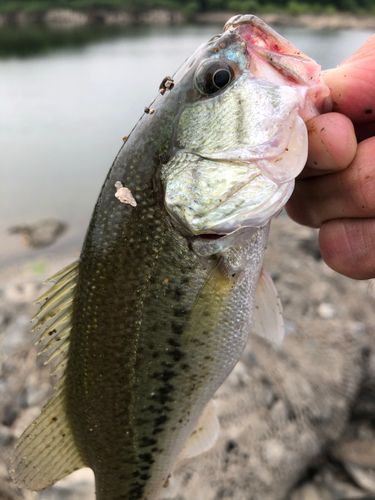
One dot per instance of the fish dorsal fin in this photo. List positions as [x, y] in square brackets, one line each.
[268, 312]
[56, 313]
[46, 452]
[204, 434]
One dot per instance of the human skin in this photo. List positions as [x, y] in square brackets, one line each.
[336, 190]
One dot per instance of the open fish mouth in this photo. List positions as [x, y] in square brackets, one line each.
[245, 179]
[278, 61]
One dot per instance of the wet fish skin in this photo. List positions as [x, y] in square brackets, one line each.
[145, 396]
[149, 345]
[160, 311]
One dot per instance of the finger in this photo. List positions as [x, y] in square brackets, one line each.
[349, 193]
[348, 247]
[364, 51]
[332, 144]
[352, 84]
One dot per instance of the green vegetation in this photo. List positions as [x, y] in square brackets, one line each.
[34, 40]
[192, 7]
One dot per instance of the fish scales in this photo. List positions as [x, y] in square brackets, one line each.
[158, 308]
[139, 363]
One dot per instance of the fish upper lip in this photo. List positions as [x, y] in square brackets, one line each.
[265, 44]
[276, 43]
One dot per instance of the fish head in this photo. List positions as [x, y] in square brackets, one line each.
[239, 138]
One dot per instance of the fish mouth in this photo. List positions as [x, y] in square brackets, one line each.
[278, 61]
[260, 33]
[216, 188]
[264, 45]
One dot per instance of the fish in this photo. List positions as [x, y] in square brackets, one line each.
[154, 315]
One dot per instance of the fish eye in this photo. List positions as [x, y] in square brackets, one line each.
[221, 78]
[213, 76]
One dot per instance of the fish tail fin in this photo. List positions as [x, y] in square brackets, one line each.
[46, 451]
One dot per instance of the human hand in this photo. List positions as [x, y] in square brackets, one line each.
[336, 190]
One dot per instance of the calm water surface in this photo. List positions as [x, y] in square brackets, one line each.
[63, 115]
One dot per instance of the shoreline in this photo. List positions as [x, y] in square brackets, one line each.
[68, 18]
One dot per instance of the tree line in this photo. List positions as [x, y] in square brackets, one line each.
[191, 7]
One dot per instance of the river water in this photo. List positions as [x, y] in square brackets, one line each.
[64, 111]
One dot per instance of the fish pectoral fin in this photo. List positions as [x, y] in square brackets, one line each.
[46, 451]
[268, 312]
[204, 434]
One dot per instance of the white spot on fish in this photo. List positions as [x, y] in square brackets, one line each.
[124, 194]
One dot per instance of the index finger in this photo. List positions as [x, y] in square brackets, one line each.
[352, 84]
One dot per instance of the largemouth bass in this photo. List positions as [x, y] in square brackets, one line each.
[154, 316]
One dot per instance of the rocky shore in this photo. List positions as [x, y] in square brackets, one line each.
[68, 18]
[297, 420]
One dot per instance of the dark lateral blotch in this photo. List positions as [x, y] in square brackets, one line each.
[146, 457]
[161, 420]
[146, 441]
[176, 328]
[174, 343]
[176, 354]
[178, 293]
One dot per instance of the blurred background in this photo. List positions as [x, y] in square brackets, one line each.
[75, 77]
